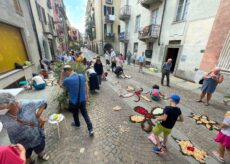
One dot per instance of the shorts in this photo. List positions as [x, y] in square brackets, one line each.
[158, 129]
[223, 139]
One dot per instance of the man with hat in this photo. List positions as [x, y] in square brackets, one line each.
[78, 95]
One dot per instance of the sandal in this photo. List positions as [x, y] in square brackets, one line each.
[206, 104]
[44, 156]
[199, 101]
[217, 156]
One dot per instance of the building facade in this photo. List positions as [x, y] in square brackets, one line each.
[103, 25]
[217, 52]
[18, 41]
[61, 25]
[44, 23]
[177, 29]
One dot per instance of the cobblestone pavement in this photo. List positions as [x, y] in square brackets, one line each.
[116, 139]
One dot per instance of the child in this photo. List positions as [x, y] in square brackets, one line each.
[171, 114]
[155, 93]
[223, 138]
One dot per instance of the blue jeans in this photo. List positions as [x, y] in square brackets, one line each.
[75, 110]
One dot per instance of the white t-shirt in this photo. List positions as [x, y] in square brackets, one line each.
[38, 80]
[226, 131]
[91, 70]
[113, 54]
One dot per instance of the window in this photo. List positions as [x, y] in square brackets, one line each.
[49, 4]
[41, 13]
[137, 23]
[17, 7]
[109, 1]
[108, 10]
[135, 47]
[224, 59]
[182, 10]
[154, 16]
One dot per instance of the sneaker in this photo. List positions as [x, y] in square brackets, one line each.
[157, 150]
[91, 133]
[163, 146]
[74, 125]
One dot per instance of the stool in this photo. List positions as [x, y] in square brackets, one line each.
[61, 118]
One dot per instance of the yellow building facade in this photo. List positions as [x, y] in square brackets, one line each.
[103, 25]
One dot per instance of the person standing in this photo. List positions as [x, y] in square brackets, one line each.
[129, 55]
[211, 80]
[107, 60]
[113, 53]
[78, 95]
[166, 71]
[24, 123]
[98, 67]
[141, 61]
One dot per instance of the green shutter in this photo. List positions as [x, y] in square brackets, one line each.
[104, 10]
[105, 28]
[113, 11]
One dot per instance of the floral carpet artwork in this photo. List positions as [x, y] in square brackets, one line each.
[145, 117]
[132, 92]
[205, 121]
[188, 149]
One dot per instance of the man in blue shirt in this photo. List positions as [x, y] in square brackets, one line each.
[141, 61]
[78, 94]
[166, 71]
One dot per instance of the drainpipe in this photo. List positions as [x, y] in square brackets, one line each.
[102, 26]
[35, 29]
[162, 20]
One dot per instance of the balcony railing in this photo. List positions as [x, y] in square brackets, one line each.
[124, 37]
[149, 33]
[109, 36]
[125, 12]
[109, 18]
[148, 3]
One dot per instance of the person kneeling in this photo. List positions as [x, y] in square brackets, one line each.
[38, 82]
[118, 71]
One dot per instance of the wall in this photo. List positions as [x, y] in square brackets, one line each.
[193, 34]
[9, 16]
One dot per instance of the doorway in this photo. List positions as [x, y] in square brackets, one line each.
[173, 54]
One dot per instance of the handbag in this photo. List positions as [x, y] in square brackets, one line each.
[78, 104]
[201, 81]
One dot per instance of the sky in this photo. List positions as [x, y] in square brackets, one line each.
[75, 10]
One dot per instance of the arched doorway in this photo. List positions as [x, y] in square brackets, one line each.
[107, 47]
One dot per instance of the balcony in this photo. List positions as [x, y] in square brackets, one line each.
[149, 33]
[109, 36]
[148, 3]
[109, 18]
[46, 29]
[124, 37]
[125, 12]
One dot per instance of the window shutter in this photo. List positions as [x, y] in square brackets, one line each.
[112, 10]
[105, 10]
[38, 11]
[111, 28]
[105, 28]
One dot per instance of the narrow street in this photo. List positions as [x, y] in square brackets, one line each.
[117, 140]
